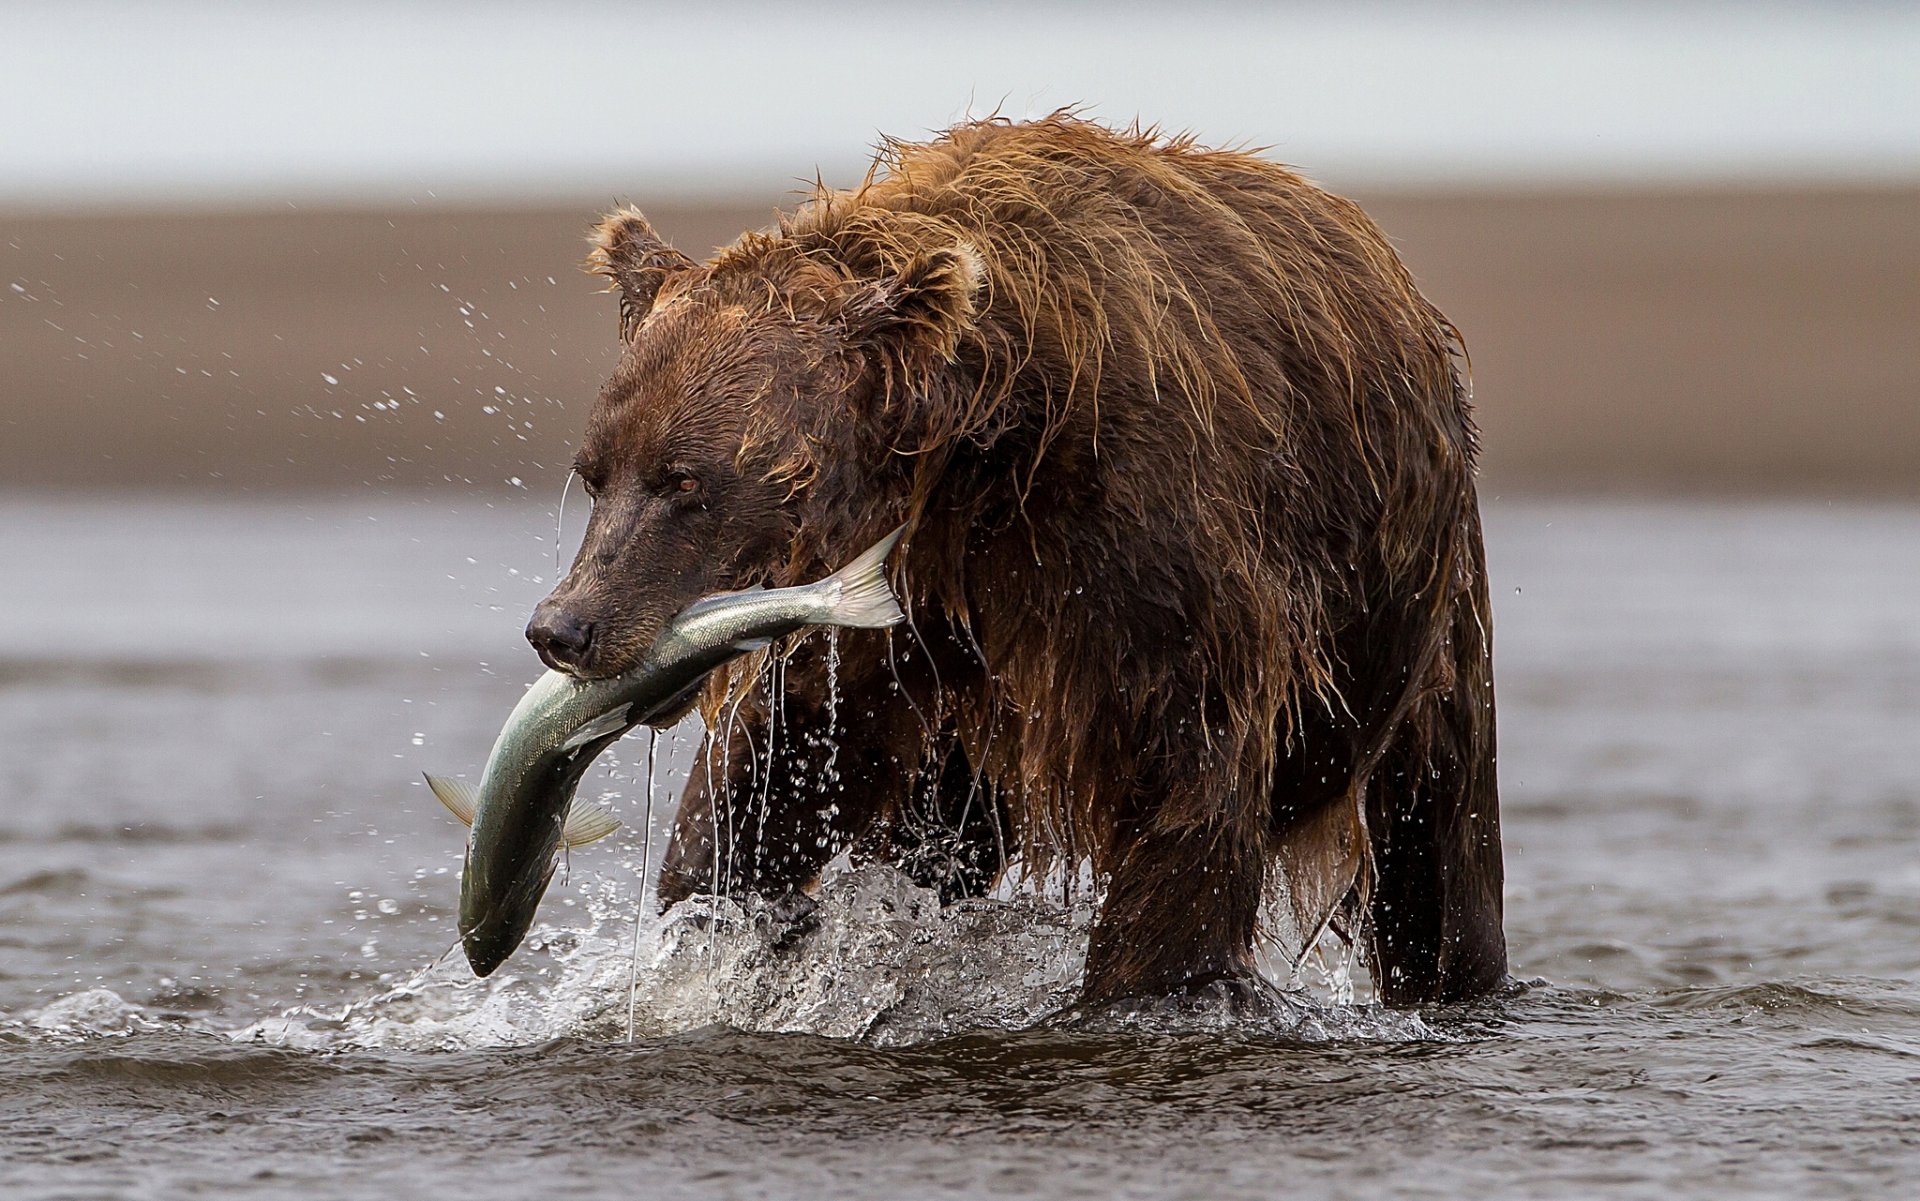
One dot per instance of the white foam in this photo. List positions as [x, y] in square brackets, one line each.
[878, 961]
[94, 1011]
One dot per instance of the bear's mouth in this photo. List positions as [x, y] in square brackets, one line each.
[616, 646]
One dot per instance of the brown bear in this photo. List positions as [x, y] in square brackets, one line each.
[1193, 559]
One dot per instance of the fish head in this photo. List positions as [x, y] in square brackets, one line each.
[494, 920]
[511, 855]
[514, 848]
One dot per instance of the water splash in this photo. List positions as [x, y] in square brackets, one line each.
[878, 960]
[87, 1014]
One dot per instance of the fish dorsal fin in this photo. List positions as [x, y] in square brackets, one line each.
[457, 795]
[610, 722]
[586, 823]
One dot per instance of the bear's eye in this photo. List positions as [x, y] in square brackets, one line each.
[679, 479]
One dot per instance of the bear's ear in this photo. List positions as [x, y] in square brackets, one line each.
[925, 308]
[636, 260]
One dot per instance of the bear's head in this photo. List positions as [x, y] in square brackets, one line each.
[742, 384]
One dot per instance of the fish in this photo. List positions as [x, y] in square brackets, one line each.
[523, 811]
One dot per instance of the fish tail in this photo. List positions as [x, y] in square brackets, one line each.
[861, 596]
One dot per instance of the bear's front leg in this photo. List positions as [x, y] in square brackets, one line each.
[1178, 918]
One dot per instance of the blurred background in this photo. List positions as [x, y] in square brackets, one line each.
[293, 350]
[255, 248]
[294, 347]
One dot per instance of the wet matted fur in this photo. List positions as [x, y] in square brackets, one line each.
[1193, 556]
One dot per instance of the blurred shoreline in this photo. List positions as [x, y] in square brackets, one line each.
[1699, 339]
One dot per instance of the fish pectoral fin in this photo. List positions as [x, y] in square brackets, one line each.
[457, 795]
[586, 823]
[610, 722]
[746, 645]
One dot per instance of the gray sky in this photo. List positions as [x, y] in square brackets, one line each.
[105, 103]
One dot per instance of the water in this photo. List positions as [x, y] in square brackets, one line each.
[223, 894]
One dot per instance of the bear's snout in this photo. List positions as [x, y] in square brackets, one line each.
[561, 638]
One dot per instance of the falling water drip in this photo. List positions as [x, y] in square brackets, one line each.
[829, 780]
[720, 849]
[640, 895]
[776, 710]
[828, 786]
[560, 521]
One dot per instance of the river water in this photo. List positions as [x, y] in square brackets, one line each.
[225, 901]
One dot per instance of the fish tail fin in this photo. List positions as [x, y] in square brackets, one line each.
[586, 823]
[862, 597]
[457, 795]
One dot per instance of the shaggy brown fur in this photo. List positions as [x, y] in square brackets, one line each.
[1193, 564]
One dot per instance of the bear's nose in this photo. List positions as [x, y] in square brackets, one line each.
[560, 638]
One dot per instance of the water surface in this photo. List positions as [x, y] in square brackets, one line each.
[222, 891]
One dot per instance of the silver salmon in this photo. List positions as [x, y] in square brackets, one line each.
[523, 810]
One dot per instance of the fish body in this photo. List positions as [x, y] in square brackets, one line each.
[523, 810]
